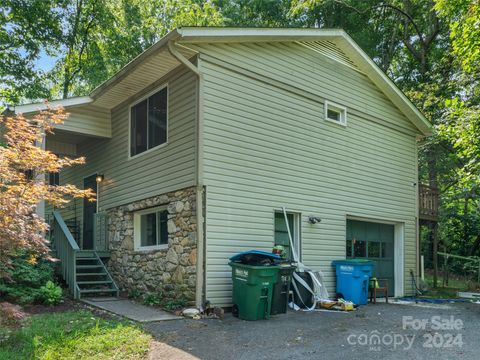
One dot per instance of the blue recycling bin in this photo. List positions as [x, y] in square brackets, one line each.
[353, 277]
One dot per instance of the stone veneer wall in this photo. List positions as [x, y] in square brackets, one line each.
[170, 271]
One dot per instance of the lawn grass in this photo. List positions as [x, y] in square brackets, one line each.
[441, 292]
[447, 292]
[74, 335]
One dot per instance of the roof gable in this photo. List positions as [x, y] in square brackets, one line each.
[158, 60]
[334, 43]
[331, 50]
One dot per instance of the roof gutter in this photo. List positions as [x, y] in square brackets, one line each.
[125, 71]
[42, 106]
[200, 270]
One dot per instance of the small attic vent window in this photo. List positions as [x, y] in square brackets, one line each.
[335, 113]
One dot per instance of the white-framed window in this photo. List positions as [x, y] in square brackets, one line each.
[53, 178]
[149, 122]
[335, 113]
[281, 232]
[150, 229]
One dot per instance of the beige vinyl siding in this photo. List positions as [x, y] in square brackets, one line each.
[266, 147]
[331, 50]
[88, 120]
[59, 147]
[298, 65]
[163, 169]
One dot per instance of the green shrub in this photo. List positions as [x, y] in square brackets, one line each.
[175, 304]
[152, 299]
[134, 294]
[50, 293]
[24, 279]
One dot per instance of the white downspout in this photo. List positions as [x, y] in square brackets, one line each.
[199, 285]
[417, 212]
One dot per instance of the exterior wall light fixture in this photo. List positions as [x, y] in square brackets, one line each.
[314, 219]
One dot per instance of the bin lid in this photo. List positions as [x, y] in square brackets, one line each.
[256, 257]
[352, 262]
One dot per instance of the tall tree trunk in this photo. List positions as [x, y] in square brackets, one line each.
[475, 246]
[66, 84]
[465, 219]
[432, 179]
[435, 252]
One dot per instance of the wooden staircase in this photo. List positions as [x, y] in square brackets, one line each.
[83, 270]
[92, 276]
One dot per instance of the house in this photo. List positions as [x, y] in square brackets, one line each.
[195, 146]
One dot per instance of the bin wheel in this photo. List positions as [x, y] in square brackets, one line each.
[235, 310]
[340, 296]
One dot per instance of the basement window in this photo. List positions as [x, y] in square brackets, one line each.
[335, 113]
[150, 229]
[148, 122]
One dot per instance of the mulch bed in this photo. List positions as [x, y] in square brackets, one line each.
[67, 305]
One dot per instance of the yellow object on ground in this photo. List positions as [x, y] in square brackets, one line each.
[347, 306]
[340, 305]
[327, 304]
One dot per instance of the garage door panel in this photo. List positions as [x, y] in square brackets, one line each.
[375, 242]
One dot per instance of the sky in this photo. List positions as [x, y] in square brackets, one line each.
[45, 62]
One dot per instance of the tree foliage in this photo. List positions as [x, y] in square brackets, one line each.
[26, 29]
[23, 167]
[255, 13]
[464, 22]
[91, 40]
[102, 36]
[431, 49]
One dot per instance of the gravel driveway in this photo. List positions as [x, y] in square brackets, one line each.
[381, 331]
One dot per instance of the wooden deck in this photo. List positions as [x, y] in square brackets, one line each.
[428, 199]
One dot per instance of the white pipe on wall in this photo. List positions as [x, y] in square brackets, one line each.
[199, 285]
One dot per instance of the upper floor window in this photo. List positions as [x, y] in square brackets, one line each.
[335, 113]
[148, 122]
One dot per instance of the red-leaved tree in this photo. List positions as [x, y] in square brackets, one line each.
[24, 164]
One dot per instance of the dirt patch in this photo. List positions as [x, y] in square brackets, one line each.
[67, 305]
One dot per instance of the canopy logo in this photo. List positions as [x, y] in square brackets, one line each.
[437, 332]
[376, 341]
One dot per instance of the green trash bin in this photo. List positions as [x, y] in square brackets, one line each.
[281, 289]
[252, 290]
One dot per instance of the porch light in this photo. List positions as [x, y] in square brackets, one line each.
[314, 219]
[99, 178]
